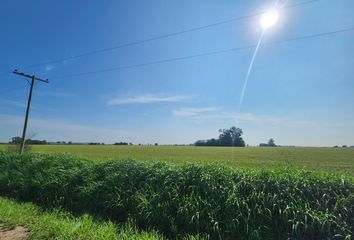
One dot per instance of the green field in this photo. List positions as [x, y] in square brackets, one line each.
[265, 193]
[320, 159]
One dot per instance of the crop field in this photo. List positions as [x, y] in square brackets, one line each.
[339, 160]
[178, 201]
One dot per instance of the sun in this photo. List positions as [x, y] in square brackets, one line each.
[269, 19]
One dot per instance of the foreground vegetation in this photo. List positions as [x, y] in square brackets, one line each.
[61, 225]
[320, 159]
[212, 200]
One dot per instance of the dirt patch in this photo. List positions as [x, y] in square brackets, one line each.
[16, 233]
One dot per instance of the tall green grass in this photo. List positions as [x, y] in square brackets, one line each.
[63, 226]
[208, 200]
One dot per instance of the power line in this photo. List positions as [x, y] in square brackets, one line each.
[11, 90]
[5, 73]
[165, 35]
[317, 35]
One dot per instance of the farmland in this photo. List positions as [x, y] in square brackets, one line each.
[183, 200]
[337, 160]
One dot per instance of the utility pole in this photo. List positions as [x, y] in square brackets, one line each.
[33, 79]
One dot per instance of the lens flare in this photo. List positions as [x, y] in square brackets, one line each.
[269, 19]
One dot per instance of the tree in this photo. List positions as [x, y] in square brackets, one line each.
[213, 142]
[271, 143]
[200, 143]
[227, 137]
[16, 140]
[231, 137]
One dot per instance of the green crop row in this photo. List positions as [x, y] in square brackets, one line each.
[201, 200]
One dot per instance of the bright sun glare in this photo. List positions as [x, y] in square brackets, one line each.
[269, 19]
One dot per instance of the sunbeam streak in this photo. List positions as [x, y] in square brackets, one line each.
[249, 70]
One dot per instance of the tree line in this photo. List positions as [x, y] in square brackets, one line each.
[18, 140]
[227, 137]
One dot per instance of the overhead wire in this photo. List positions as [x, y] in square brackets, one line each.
[5, 73]
[11, 90]
[168, 35]
[316, 35]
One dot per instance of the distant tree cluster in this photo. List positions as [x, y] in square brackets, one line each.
[95, 143]
[34, 141]
[271, 143]
[343, 146]
[18, 140]
[227, 137]
[120, 143]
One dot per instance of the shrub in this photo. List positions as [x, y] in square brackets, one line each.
[15, 148]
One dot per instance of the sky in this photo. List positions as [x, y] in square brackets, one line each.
[299, 92]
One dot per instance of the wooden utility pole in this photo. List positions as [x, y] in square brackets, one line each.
[33, 79]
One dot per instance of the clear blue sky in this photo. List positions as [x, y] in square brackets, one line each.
[299, 93]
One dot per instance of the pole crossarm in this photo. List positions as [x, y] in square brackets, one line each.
[30, 76]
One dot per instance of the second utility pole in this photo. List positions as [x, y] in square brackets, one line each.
[28, 105]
